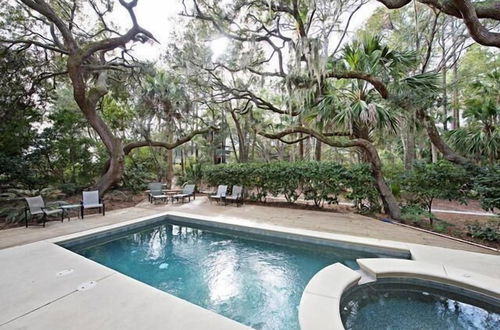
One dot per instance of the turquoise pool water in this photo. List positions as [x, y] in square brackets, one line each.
[254, 282]
[400, 305]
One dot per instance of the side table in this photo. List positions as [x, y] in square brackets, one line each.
[67, 208]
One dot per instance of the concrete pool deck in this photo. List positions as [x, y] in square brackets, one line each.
[340, 223]
[35, 295]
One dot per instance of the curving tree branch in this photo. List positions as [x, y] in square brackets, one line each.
[469, 11]
[377, 83]
[477, 31]
[130, 146]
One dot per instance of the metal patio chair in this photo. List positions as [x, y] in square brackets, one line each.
[187, 192]
[36, 206]
[220, 195]
[236, 195]
[156, 192]
[91, 200]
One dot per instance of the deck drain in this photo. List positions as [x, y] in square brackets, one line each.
[64, 272]
[86, 286]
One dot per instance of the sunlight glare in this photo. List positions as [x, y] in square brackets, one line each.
[218, 47]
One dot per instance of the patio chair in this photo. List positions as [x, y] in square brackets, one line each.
[220, 195]
[91, 200]
[36, 206]
[236, 195]
[156, 192]
[187, 192]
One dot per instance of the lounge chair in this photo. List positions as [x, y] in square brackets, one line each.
[187, 192]
[220, 195]
[156, 192]
[36, 206]
[236, 195]
[91, 200]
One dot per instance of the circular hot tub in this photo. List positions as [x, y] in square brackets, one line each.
[393, 303]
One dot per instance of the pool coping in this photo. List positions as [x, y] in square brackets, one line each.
[322, 295]
[377, 246]
[348, 277]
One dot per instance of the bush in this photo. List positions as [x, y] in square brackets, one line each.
[487, 186]
[437, 180]
[324, 182]
[489, 231]
[193, 174]
[414, 214]
[136, 177]
[317, 181]
[362, 190]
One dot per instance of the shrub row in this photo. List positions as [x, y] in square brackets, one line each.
[317, 181]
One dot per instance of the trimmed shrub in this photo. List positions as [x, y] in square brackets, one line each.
[317, 181]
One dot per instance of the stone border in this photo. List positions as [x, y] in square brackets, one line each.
[319, 307]
[364, 244]
[444, 274]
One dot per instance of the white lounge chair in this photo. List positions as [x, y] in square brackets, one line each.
[220, 195]
[36, 206]
[91, 200]
[187, 192]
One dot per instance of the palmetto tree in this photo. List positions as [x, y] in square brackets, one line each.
[355, 106]
[481, 137]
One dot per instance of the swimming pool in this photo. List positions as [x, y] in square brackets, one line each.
[417, 304]
[252, 279]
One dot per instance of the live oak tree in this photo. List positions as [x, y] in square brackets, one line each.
[87, 50]
[469, 11]
[291, 36]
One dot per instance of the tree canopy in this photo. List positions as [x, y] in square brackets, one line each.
[292, 81]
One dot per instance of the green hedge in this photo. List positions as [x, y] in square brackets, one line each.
[317, 181]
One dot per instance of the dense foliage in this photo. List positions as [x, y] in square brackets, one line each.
[436, 180]
[317, 181]
[489, 231]
[487, 185]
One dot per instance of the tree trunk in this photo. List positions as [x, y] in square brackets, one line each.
[456, 111]
[242, 145]
[170, 162]
[87, 102]
[301, 148]
[434, 153]
[370, 154]
[455, 103]
[435, 138]
[183, 169]
[317, 151]
[408, 140]
[254, 142]
[445, 84]
[115, 169]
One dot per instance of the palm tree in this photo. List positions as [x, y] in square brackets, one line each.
[480, 138]
[355, 106]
